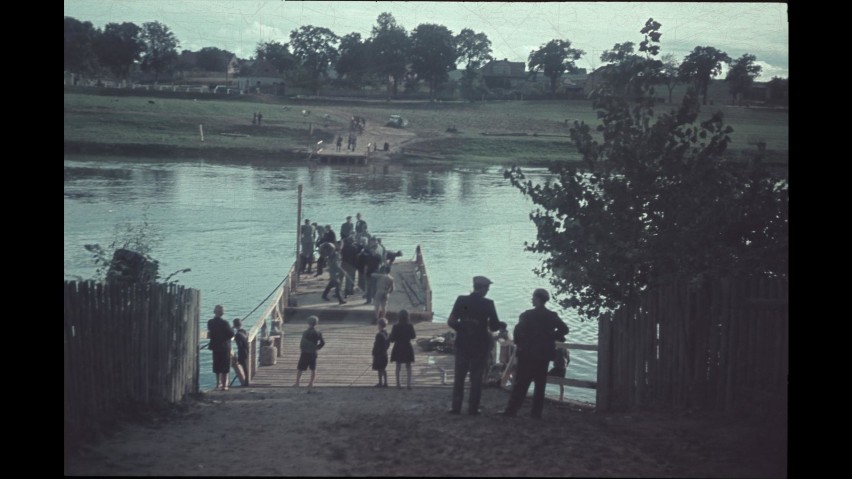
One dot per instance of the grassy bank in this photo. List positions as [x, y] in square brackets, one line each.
[525, 132]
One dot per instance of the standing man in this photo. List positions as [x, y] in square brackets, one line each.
[220, 333]
[535, 338]
[384, 287]
[346, 228]
[307, 237]
[360, 225]
[472, 316]
[349, 261]
[373, 263]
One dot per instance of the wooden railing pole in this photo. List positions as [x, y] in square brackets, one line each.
[298, 233]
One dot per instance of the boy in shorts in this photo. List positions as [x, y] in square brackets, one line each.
[312, 341]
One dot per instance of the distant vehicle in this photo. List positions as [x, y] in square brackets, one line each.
[226, 90]
[397, 121]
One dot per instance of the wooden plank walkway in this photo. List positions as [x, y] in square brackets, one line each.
[346, 359]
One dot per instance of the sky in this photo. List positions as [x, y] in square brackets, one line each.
[514, 28]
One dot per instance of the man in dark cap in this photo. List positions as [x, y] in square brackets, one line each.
[472, 316]
[535, 338]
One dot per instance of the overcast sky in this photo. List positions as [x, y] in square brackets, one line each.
[514, 28]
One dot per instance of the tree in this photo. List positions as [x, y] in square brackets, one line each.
[473, 49]
[472, 85]
[160, 48]
[353, 62]
[656, 197]
[277, 54]
[701, 65]
[316, 51]
[118, 47]
[778, 90]
[79, 46]
[433, 54]
[669, 75]
[629, 74]
[741, 75]
[213, 59]
[389, 46]
[554, 58]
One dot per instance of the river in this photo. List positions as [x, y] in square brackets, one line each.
[235, 227]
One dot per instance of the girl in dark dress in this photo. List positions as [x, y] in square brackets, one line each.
[380, 353]
[401, 335]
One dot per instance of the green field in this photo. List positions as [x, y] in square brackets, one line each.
[484, 130]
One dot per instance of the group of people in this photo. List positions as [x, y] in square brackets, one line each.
[472, 317]
[357, 258]
[256, 118]
[351, 142]
[220, 334]
[535, 338]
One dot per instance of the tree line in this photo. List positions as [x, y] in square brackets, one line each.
[391, 55]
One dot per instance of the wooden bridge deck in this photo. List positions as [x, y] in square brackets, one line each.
[346, 359]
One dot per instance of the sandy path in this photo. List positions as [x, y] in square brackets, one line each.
[383, 432]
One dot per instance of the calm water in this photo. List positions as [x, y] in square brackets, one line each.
[235, 226]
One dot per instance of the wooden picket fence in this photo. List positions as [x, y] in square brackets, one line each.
[721, 346]
[127, 344]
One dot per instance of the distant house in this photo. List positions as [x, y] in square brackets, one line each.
[573, 84]
[233, 65]
[503, 74]
[259, 76]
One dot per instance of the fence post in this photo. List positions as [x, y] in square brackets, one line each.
[602, 395]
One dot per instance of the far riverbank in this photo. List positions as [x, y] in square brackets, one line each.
[527, 133]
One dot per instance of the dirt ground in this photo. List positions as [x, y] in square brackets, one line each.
[399, 432]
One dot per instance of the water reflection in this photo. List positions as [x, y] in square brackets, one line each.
[426, 185]
[355, 184]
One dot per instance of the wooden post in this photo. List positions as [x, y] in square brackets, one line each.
[602, 393]
[298, 233]
[201, 131]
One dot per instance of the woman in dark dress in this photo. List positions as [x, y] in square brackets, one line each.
[401, 335]
[380, 353]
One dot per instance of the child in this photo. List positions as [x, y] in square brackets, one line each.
[312, 341]
[241, 338]
[380, 353]
[402, 334]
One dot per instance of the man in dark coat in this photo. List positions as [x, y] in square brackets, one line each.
[346, 228]
[535, 338]
[324, 236]
[472, 317]
[349, 260]
[360, 224]
[374, 261]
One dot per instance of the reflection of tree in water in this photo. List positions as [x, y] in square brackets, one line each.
[426, 185]
[379, 183]
[465, 184]
[79, 181]
[116, 175]
[161, 181]
[270, 180]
